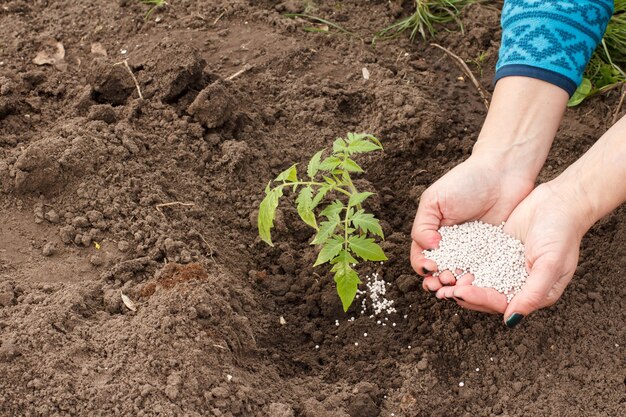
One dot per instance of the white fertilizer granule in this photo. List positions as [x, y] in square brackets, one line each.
[494, 258]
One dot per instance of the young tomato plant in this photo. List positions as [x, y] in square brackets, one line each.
[343, 227]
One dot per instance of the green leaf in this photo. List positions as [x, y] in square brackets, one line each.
[351, 166]
[321, 193]
[305, 206]
[358, 198]
[267, 213]
[290, 174]
[366, 248]
[339, 145]
[362, 146]
[346, 278]
[329, 163]
[368, 223]
[327, 228]
[581, 93]
[356, 137]
[332, 210]
[330, 250]
[344, 258]
[314, 164]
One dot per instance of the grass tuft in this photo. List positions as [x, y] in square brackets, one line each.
[155, 5]
[605, 70]
[428, 14]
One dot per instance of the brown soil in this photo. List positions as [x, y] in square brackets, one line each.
[86, 166]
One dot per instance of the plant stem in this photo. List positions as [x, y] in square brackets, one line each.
[318, 184]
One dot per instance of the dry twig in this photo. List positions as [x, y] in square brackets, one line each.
[619, 105]
[238, 73]
[174, 203]
[125, 63]
[459, 61]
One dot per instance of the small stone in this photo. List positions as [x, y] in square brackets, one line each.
[49, 249]
[96, 259]
[123, 246]
[52, 216]
[80, 221]
[67, 234]
[422, 364]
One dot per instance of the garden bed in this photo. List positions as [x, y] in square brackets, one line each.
[103, 193]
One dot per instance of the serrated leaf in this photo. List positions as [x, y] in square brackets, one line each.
[321, 193]
[342, 260]
[362, 146]
[329, 251]
[358, 198]
[368, 223]
[333, 209]
[351, 166]
[581, 93]
[329, 163]
[314, 164]
[290, 174]
[305, 206]
[347, 280]
[267, 212]
[339, 145]
[327, 228]
[366, 248]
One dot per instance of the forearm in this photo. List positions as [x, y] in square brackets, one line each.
[522, 121]
[596, 183]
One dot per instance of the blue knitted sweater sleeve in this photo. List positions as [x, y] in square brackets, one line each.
[551, 40]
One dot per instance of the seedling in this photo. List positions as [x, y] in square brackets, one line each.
[428, 13]
[155, 5]
[345, 233]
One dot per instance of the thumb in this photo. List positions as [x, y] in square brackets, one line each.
[533, 295]
[426, 225]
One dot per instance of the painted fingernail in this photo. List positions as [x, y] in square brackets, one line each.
[513, 320]
[425, 271]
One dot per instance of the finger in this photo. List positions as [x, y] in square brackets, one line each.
[466, 279]
[420, 264]
[431, 284]
[447, 278]
[427, 222]
[534, 293]
[487, 299]
[447, 293]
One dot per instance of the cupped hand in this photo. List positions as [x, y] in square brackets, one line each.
[477, 189]
[551, 222]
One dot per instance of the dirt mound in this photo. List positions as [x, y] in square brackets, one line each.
[103, 193]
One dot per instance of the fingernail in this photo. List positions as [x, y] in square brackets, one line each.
[514, 320]
[425, 271]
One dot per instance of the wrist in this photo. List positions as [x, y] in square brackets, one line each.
[595, 183]
[522, 121]
[575, 200]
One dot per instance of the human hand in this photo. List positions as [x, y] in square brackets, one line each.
[477, 189]
[551, 222]
[507, 157]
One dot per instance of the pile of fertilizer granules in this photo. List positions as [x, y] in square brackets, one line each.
[494, 258]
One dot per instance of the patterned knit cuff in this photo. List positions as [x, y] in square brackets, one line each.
[539, 73]
[552, 40]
